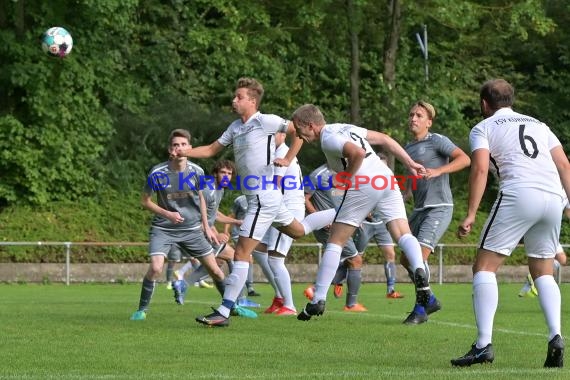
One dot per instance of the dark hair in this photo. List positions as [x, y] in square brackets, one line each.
[498, 93]
[220, 164]
[254, 88]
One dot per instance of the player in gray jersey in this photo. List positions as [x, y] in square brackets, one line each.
[369, 185]
[180, 217]
[320, 194]
[213, 190]
[433, 202]
[252, 137]
[534, 181]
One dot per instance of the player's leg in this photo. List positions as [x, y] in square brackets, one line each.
[256, 222]
[353, 283]
[339, 234]
[540, 243]
[148, 285]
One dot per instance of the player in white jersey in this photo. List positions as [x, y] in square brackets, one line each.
[270, 254]
[528, 289]
[253, 139]
[348, 151]
[532, 169]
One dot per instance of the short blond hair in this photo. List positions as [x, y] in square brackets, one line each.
[308, 113]
[254, 88]
[427, 106]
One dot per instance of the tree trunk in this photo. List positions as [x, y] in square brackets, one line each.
[391, 42]
[354, 64]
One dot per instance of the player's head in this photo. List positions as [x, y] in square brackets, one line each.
[308, 120]
[494, 95]
[247, 96]
[223, 169]
[179, 138]
[420, 118]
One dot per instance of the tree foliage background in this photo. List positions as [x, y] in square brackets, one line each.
[80, 132]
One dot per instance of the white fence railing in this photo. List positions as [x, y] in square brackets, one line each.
[68, 246]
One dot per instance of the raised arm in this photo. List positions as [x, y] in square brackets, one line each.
[392, 146]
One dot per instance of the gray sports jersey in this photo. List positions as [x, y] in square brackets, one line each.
[176, 191]
[239, 210]
[432, 152]
[323, 195]
[213, 196]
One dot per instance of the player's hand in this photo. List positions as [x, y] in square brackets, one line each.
[211, 236]
[432, 173]
[223, 238]
[465, 227]
[281, 162]
[416, 169]
[175, 217]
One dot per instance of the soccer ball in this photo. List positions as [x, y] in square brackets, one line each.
[57, 42]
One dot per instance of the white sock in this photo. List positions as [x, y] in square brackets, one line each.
[282, 279]
[549, 298]
[326, 271]
[185, 268]
[234, 284]
[485, 301]
[409, 244]
[318, 220]
[261, 260]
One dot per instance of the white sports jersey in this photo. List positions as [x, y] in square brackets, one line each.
[333, 138]
[519, 148]
[254, 149]
[293, 193]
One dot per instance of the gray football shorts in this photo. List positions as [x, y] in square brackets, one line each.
[429, 225]
[192, 243]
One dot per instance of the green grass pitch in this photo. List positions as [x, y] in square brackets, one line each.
[84, 332]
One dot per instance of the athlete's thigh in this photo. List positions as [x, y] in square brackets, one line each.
[381, 235]
[542, 239]
[362, 236]
[279, 242]
[391, 206]
[435, 223]
[357, 204]
[160, 242]
[262, 210]
[511, 216]
[194, 244]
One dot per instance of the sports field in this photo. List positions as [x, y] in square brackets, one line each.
[84, 332]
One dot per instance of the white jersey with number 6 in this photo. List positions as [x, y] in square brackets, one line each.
[519, 148]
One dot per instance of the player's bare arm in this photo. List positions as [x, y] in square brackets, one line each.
[294, 147]
[457, 160]
[477, 184]
[148, 203]
[392, 146]
[204, 151]
[563, 166]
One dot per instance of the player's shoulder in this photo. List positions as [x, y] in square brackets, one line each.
[161, 167]
[194, 167]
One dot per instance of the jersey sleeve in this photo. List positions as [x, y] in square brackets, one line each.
[274, 124]
[478, 138]
[444, 145]
[553, 141]
[227, 137]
